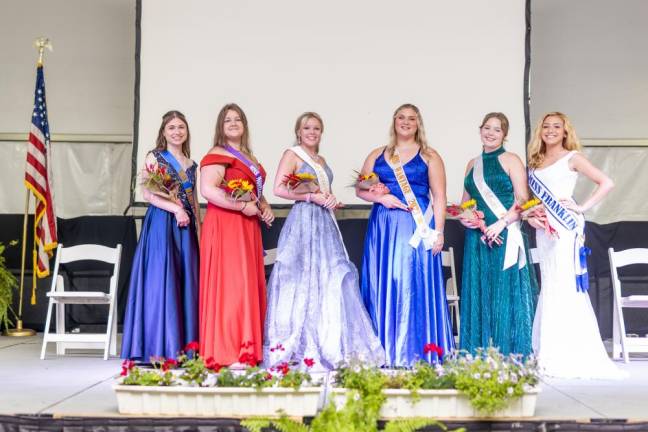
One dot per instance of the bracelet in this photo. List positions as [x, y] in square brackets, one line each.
[245, 203]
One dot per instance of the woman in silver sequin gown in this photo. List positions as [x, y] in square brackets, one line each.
[315, 310]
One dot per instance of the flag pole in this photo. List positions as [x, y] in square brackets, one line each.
[19, 331]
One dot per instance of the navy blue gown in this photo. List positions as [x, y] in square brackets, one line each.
[403, 287]
[162, 310]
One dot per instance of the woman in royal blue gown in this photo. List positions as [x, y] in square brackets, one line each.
[402, 281]
[162, 310]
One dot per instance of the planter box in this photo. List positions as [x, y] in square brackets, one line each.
[440, 404]
[216, 401]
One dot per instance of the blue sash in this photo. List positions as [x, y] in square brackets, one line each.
[569, 222]
[186, 183]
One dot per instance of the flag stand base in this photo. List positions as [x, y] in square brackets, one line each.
[19, 331]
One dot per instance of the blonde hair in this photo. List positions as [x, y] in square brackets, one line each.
[503, 122]
[161, 142]
[537, 149]
[219, 134]
[419, 137]
[301, 121]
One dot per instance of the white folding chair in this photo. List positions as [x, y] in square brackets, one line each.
[623, 345]
[452, 295]
[60, 297]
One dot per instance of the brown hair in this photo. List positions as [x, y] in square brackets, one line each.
[420, 138]
[161, 143]
[301, 121]
[537, 148]
[219, 135]
[501, 117]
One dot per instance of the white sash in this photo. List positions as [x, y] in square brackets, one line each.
[514, 241]
[570, 222]
[423, 231]
[323, 181]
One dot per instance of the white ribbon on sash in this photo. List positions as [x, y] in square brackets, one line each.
[423, 232]
[323, 182]
[515, 251]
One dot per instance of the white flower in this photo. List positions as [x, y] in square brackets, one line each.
[487, 375]
[509, 390]
[477, 375]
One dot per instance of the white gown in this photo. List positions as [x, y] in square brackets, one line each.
[566, 337]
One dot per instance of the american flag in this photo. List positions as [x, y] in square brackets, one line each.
[37, 180]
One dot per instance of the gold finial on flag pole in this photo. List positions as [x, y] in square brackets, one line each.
[41, 43]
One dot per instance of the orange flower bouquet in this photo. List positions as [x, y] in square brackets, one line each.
[301, 183]
[370, 182]
[467, 212]
[239, 190]
[535, 208]
[157, 180]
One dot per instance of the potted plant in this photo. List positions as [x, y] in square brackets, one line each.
[487, 384]
[8, 283]
[193, 386]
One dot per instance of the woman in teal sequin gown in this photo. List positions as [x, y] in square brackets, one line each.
[497, 305]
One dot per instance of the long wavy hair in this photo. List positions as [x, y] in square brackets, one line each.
[419, 137]
[161, 142]
[503, 121]
[301, 121]
[537, 149]
[219, 133]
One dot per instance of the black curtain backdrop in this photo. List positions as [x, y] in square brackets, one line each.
[110, 230]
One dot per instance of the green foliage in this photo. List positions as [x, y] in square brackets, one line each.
[151, 377]
[491, 380]
[414, 424]
[194, 370]
[8, 283]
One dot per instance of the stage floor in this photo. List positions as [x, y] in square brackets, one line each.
[81, 385]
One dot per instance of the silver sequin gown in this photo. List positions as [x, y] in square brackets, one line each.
[314, 305]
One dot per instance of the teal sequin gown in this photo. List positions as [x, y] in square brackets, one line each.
[497, 306]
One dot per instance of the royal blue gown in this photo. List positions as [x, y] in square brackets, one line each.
[403, 287]
[162, 310]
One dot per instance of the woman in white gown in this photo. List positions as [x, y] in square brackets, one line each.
[566, 336]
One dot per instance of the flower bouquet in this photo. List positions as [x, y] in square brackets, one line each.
[468, 213]
[301, 183]
[239, 190]
[157, 180]
[535, 208]
[370, 182]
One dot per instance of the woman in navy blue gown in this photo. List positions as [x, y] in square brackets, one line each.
[162, 310]
[402, 281]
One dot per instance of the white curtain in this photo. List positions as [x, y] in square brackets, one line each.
[88, 178]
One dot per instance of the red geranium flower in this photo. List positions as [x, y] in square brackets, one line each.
[192, 346]
[127, 365]
[309, 362]
[169, 364]
[248, 358]
[247, 344]
[211, 364]
[284, 368]
[433, 348]
[277, 347]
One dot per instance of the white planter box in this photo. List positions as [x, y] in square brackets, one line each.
[216, 401]
[440, 404]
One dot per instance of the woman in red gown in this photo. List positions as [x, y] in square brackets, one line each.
[232, 281]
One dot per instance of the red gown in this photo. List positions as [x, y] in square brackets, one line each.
[232, 281]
